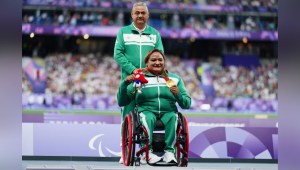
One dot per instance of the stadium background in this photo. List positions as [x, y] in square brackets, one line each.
[226, 50]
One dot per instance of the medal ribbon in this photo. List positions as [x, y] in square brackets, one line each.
[164, 74]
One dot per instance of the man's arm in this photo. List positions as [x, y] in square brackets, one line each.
[159, 44]
[124, 98]
[119, 54]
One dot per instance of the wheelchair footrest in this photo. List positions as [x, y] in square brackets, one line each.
[137, 161]
[164, 164]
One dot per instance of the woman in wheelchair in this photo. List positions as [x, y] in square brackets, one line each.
[157, 100]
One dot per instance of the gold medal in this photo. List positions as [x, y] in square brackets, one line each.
[170, 83]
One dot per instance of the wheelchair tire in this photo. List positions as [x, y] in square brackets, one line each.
[127, 141]
[182, 144]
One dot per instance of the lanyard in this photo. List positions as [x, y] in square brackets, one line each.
[164, 74]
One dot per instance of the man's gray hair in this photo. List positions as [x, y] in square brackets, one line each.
[140, 4]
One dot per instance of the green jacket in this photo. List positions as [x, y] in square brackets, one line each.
[131, 47]
[156, 95]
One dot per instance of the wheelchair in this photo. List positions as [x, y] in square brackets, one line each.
[134, 134]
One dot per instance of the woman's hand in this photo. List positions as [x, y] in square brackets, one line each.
[129, 79]
[174, 90]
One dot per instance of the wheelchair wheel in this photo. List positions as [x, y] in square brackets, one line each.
[182, 144]
[127, 141]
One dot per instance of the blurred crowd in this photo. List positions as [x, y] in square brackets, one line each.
[258, 83]
[172, 21]
[89, 74]
[91, 81]
[248, 4]
[161, 20]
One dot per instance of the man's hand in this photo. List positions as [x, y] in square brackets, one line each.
[129, 79]
[134, 71]
[174, 90]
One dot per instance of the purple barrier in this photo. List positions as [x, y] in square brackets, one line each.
[194, 120]
[111, 31]
[104, 141]
[246, 61]
[106, 103]
[51, 117]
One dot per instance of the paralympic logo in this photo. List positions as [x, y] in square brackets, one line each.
[97, 142]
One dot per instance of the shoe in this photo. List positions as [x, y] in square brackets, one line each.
[121, 160]
[169, 157]
[152, 158]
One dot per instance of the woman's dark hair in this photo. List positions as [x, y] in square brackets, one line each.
[151, 52]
